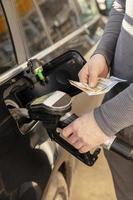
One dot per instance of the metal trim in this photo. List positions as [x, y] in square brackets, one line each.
[15, 30]
[13, 72]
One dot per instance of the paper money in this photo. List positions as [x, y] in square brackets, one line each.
[103, 86]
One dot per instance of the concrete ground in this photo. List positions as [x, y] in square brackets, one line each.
[91, 183]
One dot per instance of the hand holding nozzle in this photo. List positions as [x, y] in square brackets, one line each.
[113, 143]
[54, 110]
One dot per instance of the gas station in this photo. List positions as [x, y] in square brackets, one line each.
[44, 45]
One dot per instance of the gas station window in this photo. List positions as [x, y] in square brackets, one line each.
[60, 17]
[87, 9]
[47, 21]
[7, 53]
[36, 35]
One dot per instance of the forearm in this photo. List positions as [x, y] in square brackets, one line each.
[117, 113]
[109, 39]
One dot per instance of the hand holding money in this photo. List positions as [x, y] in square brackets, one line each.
[96, 67]
[93, 75]
[103, 86]
[84, 133]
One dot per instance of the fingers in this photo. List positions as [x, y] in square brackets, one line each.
[67, 132]
[73, 138]
[79, 144]
[83, 74]
[93, 79]
[84, 149]
[76, 141]
[84, 78]
[73, 135]
[89, 75]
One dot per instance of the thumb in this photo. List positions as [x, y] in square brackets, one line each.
[93, 79]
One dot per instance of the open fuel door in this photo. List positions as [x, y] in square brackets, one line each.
[57, 73]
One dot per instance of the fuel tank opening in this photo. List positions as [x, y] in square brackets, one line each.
[25, 124]
[36, 129]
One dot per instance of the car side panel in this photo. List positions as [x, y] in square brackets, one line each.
[19, 163]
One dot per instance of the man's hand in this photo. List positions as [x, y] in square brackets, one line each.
[84, 133]
[96, 67]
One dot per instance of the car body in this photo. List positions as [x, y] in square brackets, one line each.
[29, 29]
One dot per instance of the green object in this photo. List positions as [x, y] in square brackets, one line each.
[109, 4]
[39, 73]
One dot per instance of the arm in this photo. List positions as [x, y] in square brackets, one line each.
[108, 41]
[117, 113]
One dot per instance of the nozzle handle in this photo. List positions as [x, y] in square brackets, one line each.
[87, 158]
[115, 144]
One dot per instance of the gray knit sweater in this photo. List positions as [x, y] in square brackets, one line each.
[117, 47]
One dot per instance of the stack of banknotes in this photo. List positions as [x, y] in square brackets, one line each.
[103, 86]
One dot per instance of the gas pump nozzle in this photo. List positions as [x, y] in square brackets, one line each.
[54, 110]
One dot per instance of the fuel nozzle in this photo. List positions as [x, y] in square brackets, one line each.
[54, 110]
[36, 67]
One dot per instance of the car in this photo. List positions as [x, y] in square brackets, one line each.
[31, 165]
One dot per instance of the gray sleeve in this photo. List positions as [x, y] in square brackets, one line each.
[117, 113]
[108, 41]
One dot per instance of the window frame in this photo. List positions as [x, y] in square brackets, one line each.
[14, 28]
[9, 31]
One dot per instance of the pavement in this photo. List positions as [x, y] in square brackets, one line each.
[93, 183]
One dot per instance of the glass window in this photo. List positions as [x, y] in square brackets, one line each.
[87, 10]
[109, 4]
[45, 22]
[7, 54]
[60, 17]
[48, 21]
[34, 30]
